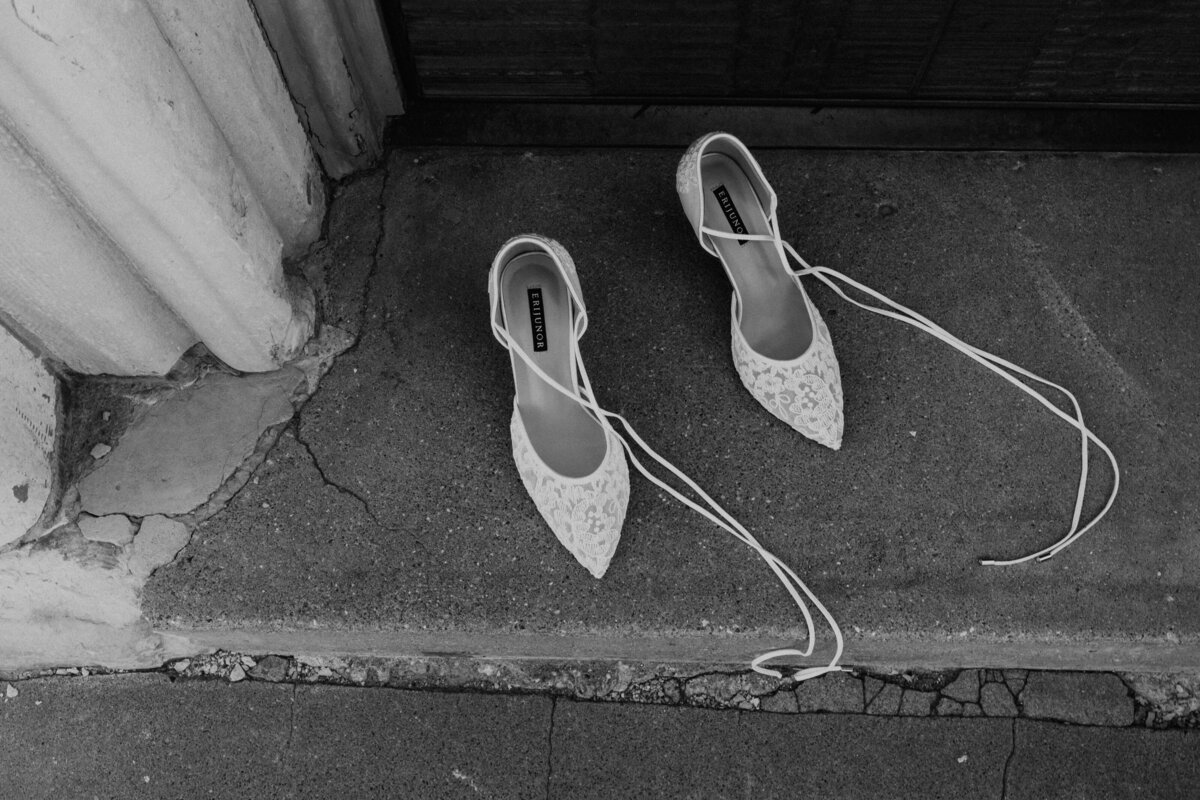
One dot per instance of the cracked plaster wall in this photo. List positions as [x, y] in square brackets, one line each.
[150, 459]
[249, 100]
[27, 436]
[157, 198]
[335, 57]
[158, 172]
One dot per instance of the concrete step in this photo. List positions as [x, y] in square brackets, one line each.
[389, 518]
[144, 734]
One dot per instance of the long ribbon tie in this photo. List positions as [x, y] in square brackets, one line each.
[710, 509]
[1006, 369]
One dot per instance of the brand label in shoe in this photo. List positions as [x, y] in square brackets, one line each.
[730, 210]
[537, 319]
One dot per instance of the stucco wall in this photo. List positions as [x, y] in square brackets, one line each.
[164, 183]
[158, 159]
[29, 398]
[334, 55]
[228, 59]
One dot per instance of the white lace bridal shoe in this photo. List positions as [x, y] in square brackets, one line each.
[571, 463]
[570, 456]
[781, 348]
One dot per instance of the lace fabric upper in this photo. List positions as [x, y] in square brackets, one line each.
[806, 393]
[585, 514]
[551, 491]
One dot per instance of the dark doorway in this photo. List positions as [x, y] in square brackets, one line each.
[1073, 53]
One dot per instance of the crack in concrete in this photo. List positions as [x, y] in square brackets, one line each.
[268, 438]
[238, 477]
[28, 24]
[377, 248]
[360, 323]
[714, 688]
[362, 501]
[287, 746]
[550, 746]
[867, 701]
[716, 673]
[1016, 694]
[1008, 762]
[917, 681]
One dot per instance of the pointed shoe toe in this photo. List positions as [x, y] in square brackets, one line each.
[781, 348]
[585, 514]
[570, 459]
[804, 392]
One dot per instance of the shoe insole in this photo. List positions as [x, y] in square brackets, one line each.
[537, 312]
[775, 318]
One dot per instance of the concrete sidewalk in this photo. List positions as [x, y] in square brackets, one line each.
[144, 735]
[389, 519]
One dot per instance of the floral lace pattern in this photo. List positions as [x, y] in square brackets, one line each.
[687, 174]
[586, 514]
[805, 393]
[687, 185]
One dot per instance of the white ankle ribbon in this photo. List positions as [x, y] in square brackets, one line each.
[1003, 368]
[713, 512]
[723, 519]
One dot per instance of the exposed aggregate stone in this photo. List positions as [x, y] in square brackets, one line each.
[1083, 698]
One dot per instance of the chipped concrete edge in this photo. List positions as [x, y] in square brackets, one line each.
[876, 652]
[73, 599]
[1100, 699]
[1160, 689]
[67, 622]
[314, 363]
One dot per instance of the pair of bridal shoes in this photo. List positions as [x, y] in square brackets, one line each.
[568, 456]
[567, 453]
[571, 453]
